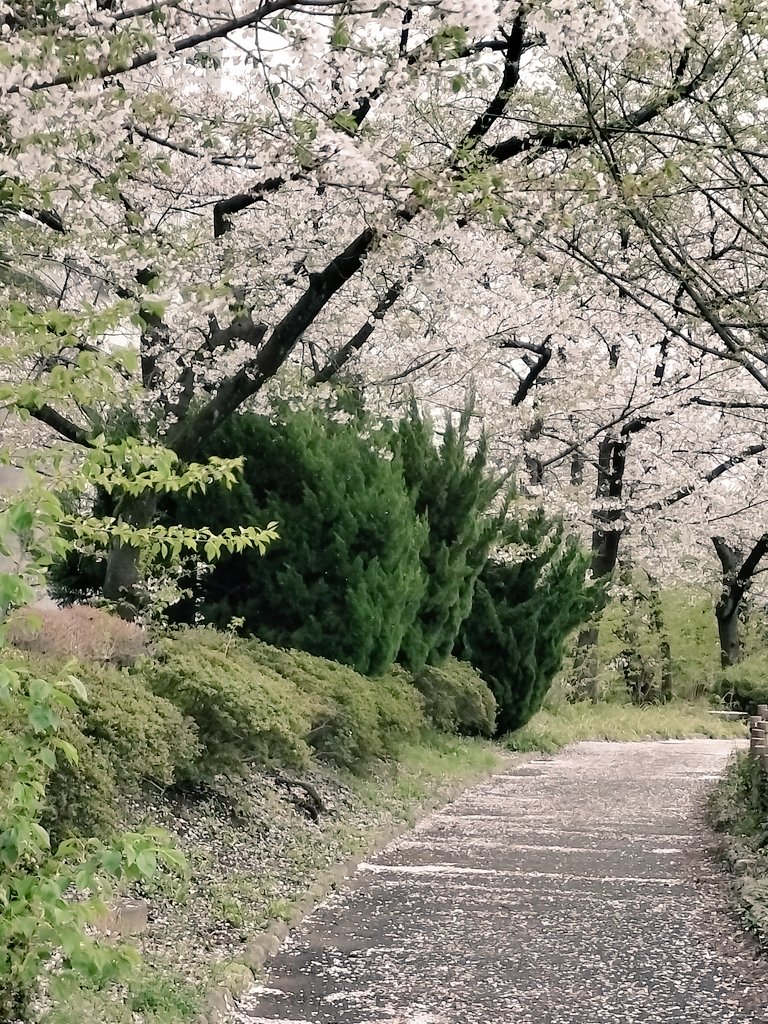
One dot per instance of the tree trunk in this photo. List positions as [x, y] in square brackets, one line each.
[606, 537]
[738, 573]
[728, 634]
[665, 649]
[727, 607]
[585, 663]
[123, 572]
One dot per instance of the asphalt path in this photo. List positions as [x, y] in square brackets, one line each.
[568, 890]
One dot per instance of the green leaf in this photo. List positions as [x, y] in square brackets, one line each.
[48, 757]
[42, 718]
[340, 36]
[69, 752]
[146, 862]
[112, 861]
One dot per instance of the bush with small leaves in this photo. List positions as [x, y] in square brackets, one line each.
[457, 699]
[244, 712]
[745, 684]
[354, 719]
[124, 736]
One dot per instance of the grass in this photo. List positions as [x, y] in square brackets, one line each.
[551, 730]
[148, 998]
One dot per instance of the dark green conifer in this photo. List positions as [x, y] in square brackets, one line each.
[522, 612]
[344, 580]
[452, 489]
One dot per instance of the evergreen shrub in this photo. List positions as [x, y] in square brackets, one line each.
[344, 580]
[244, 712]
[522, 612]
[457, 699]
[452, 490]
[124, 735]
[354, 719]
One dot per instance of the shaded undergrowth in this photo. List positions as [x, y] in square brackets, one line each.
[738, 809]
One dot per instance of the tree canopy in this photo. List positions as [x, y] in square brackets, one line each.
[563, 203]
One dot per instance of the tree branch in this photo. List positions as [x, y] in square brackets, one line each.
[565, 139]
[49, 218]
[359, 338]
[712, 403]
[64, 427]
[509, 79]
[539, 365]
[263, 10]
[223, 210]
[251, 377]
[713, 474]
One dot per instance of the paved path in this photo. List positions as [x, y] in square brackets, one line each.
[567, 891]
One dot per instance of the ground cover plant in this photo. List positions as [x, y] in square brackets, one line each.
[737, 808]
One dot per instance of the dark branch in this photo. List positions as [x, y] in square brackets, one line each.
[728, 404]
[64, 427]
[359, 338]
[538, 367]
[47, 217]
[574, 138]
[223, 210]
[713, 474]
[251, 377]
[509, 79]
[105, 69]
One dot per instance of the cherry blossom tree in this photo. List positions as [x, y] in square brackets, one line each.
[243, 193]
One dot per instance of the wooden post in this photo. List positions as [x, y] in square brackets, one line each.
[754, 721]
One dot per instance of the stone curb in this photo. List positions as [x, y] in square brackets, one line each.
[241, 975]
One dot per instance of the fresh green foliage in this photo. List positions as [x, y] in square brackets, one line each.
[690, 629]
[738, 809]
[457, 699]
[38, 917]
[522, 613]
[50, 893]
[124, 736]
[344, 580]
[49, 531]
[452, 490]
[552, 729]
